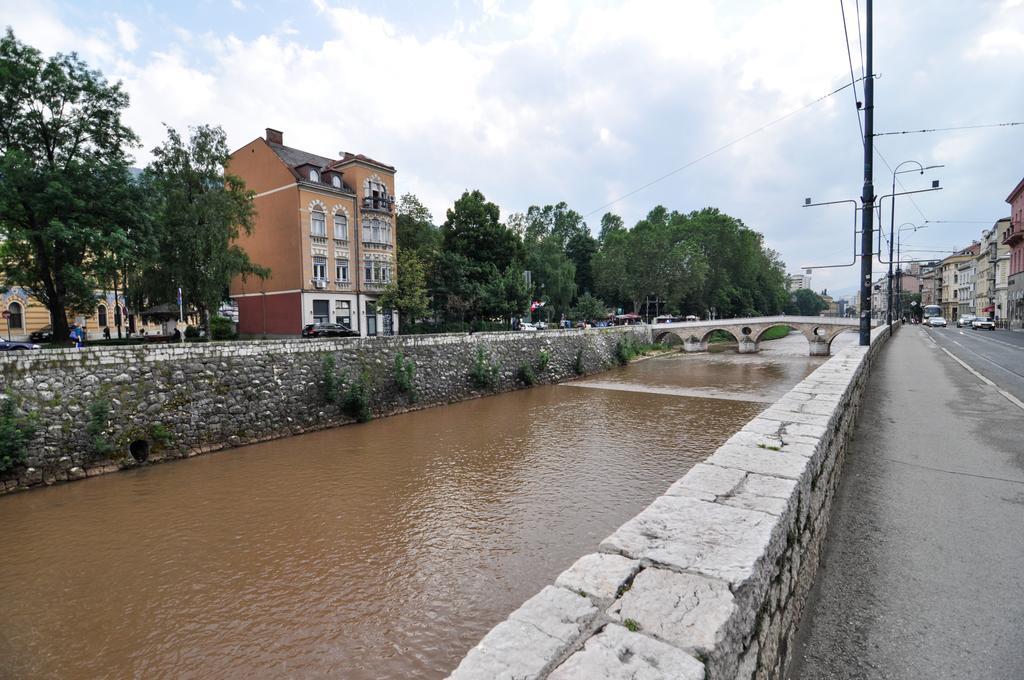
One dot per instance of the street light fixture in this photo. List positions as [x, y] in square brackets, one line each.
[892, 220]
[906, 226]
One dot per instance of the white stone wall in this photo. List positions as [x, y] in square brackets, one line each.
[709, 581]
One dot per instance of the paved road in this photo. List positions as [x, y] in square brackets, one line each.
[997, 355]
[922, 575]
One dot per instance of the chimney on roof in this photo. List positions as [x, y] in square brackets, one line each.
[275, 136]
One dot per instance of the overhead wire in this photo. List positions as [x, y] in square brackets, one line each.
[725, 146]
[853, 78]
[947, 129]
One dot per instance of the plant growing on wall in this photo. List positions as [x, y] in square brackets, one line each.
[356, 403]
[484, 372]
[578, 364]
[626, 349]
[328, 380]
[543, 359]
[405, 375]
[15, 432]
[526, 374]
[99, 418]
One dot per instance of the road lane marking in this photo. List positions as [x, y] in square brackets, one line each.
[1001, 342]
[985, 358]
[1012, 399]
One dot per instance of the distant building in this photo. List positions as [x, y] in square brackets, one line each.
[992, 265]
[326, 229]
[27, 315]
[1013, 239]
[950, 281]
[965, 272]
[795, 282]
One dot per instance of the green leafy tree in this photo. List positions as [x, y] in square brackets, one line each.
[415, 228]
[199, 211]
[408, 292]
[588, 308]
[64, 174]
[554, 274]
[806, 302]
[478, 273]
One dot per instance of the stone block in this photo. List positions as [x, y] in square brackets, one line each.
[619, 654]
[693, 535]
[709, 480]
[762, 461]
[689, 611]
[598, 575]
[773, 495]
[533, 637]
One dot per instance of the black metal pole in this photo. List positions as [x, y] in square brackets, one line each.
[868, 195]
[892, 226]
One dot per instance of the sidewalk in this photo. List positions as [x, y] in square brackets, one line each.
[922, 575]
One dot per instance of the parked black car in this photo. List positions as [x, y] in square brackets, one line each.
[328, 330]
[44, 334]
[8, 346]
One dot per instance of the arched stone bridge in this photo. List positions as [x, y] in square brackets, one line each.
[819, 331]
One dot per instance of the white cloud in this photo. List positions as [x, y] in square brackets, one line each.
[585, 102]
[127, 34]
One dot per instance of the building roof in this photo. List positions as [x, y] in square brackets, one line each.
[295, 157]
[1016, 192]
[358, 157]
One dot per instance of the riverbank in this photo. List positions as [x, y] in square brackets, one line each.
[708, 582]
[92, 412]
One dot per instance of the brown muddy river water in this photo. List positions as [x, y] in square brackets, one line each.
[383, 550]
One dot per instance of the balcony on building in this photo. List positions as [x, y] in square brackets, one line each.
[384, 204]
[1014, 235]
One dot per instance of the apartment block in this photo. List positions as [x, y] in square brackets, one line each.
[325, 227]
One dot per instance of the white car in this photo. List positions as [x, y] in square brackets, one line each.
[934, 321]
[527, 326]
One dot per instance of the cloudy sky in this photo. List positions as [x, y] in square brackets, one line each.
[539, 102]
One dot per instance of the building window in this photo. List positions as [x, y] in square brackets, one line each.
[17, 319]
[319, 268]
[341, 270]
[318, 223]
[321, 311]
[336, 182]
[340, 226]
[314, 176]
[101, 312]
[343, 313]
[368, 271]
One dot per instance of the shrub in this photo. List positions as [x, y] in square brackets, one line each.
[543, 360]
[191, 332]
[160, 434]
[357, 399]
[626, 349]
[405, 375]
[15, 432]
[328, 380]
[578, 364]
[99, 418]
[222, 328]
[484, 372]
[526, 374]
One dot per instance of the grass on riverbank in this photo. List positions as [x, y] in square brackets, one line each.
[773, 333]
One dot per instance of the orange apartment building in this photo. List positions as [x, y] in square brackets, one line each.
[326, 229]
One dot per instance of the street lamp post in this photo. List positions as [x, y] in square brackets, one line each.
[892, 222]
[906, 226]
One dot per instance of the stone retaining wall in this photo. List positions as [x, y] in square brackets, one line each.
[173, 401]
[709, 581]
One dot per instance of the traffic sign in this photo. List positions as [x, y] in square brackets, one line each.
[6, 314]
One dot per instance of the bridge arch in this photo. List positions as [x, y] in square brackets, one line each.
[738, 337]
[669, 336]
[780, 324]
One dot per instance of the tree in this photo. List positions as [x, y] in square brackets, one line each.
[588, 307]
[481, 260]
[408, 293]
[806, 302]
[415, 228]
[199, 211]
[65, 175]
[554, 273]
